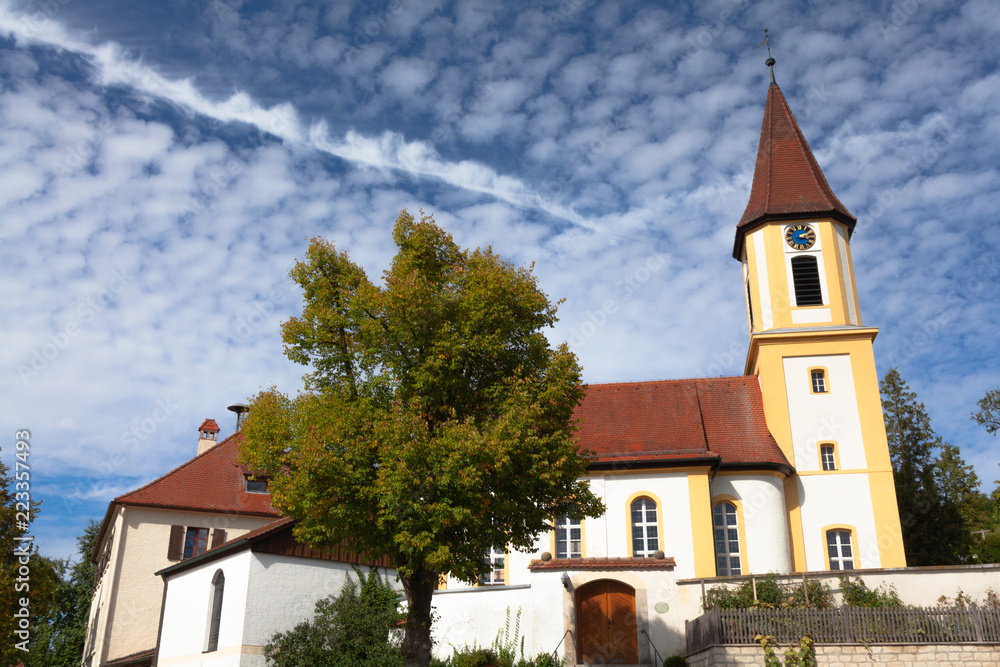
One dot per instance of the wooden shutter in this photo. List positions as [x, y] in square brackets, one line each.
[218, 537]
[175, 548]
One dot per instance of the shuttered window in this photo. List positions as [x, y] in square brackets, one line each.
[191, 541]
[805, 275]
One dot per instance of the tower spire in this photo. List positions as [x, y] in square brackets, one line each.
[770, 61]
[787, 180]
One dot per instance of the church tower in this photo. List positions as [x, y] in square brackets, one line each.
[813, 356]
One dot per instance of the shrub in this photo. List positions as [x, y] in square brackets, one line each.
[353, 628]
[857, 594]
[675, 661]
[771, 594]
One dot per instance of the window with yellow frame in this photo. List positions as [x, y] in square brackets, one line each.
[819, 381]
[841, 547]
[829, 456]
[568, 538]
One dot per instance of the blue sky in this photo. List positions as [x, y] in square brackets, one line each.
[163, 165]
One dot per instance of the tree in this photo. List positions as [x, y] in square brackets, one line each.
[436, 421]
[987, 550]
[989, 411]
[62, 635]
[25, 575]
[928, 489]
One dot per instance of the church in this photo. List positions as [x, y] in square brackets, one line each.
[783, 469]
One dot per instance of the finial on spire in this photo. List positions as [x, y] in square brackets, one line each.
[770, 61]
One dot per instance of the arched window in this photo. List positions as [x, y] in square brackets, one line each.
[805, 275]
[218, 584]
[569, 538]
[645, 534]
[727, 539]
[839, 549]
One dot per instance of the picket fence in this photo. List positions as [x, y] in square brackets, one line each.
[846, 625]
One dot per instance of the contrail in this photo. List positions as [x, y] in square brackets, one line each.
[390, 151]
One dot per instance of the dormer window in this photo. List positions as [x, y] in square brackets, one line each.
[255, 483]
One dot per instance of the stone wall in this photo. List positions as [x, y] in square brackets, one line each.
[941, 655]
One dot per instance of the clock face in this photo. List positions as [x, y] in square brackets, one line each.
[800, 237]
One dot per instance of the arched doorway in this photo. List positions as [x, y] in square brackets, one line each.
[606, 625]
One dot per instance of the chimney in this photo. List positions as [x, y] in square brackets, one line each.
[207, 433]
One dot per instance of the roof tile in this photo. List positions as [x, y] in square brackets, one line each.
[678, 420]
[787, 180]
[210, 482]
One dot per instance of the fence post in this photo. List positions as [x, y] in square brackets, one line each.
[977, 622]
[848, 632]
[716, 626]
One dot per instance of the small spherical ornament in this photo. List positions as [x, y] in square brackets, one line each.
[546, 556]
[659, 555]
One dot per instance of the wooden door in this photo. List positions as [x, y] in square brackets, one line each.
[605, 622]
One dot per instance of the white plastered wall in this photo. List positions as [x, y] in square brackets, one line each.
[762, 498]
[284, 591]
[187, 614]
[829, 417]
[838, 500]
[828, 498]
[670, 490]
[134, 605]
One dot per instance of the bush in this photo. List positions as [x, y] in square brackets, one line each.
[675, 661]
[857, 594]
[474, 656]
[351, 629]
[771, 594]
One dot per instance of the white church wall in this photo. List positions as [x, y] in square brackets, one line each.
[670, 491]
[916, 586]
[838, 500]
[187, 614]
[284, 591]
[467, 616]
[762, 500]
[826, 417]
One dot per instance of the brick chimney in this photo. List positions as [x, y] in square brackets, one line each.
[207, 434]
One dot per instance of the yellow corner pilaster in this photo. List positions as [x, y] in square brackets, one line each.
[794, 512]
[700, 503]
[887, 526]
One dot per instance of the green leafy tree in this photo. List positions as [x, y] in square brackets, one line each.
[987, 548]
[436, 421]
[352, 629]
[24, 573]
[61, 636]
[989, 411]
[929, 489]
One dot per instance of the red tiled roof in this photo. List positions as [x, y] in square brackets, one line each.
[787, 180]
[209, 425]
[678, 420]
[604, 564]
[210, 482]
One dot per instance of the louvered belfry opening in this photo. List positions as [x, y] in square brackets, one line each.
[805, 275]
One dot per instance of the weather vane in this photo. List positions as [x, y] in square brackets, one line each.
[770, 61]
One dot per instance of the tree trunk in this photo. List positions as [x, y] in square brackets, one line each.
[419, 589]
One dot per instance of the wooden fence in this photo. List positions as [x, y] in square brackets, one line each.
[847, 625]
